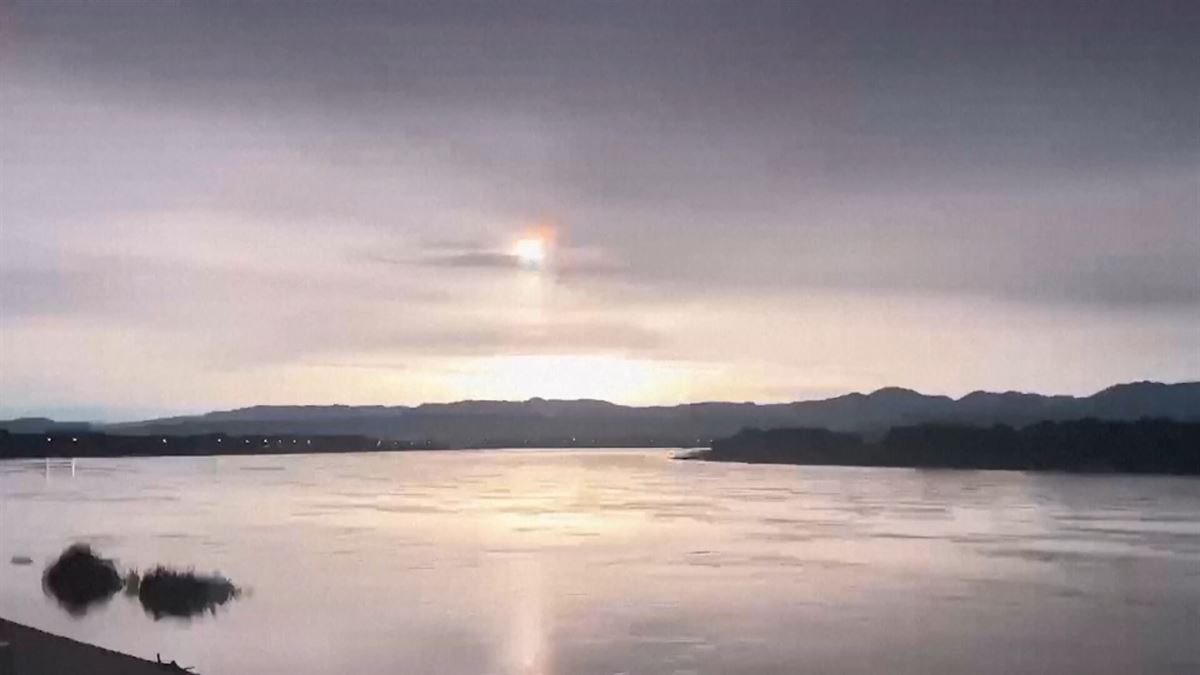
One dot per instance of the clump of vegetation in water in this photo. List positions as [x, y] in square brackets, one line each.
[167, 592]
[80, 579]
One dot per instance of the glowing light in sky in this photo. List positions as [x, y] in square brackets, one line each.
[531, 252]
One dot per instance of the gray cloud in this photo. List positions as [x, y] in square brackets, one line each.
[564, 264]
[862, 84]
[474, 259]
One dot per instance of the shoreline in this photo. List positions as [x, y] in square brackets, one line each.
[36, 652]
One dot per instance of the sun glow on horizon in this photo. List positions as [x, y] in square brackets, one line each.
[592, 376]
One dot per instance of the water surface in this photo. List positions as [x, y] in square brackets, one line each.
[541, 562]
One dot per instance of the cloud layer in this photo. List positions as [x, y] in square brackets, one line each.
[781, 199]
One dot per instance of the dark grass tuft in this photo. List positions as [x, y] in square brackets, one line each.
[80, 579]
[167, 592]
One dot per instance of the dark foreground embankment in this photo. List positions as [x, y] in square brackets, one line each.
[1146, 446]
[34, 652]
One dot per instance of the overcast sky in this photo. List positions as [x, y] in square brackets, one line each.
[208, 205]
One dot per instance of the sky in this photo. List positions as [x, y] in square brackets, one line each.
[206, 205]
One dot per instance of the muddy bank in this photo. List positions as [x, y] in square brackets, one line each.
[35, 652]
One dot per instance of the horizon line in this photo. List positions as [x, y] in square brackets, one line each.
[591, 400]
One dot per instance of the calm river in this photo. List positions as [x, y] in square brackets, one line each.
[576, 562]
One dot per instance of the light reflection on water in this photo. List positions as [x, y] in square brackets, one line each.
[541, 562]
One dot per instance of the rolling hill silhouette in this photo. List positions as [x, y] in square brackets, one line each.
[597, 423]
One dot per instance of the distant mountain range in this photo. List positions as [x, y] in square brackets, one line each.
[539, 422]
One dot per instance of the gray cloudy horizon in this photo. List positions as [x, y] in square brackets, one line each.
[207, 205]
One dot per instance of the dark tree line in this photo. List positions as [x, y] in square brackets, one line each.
[1144, 446]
